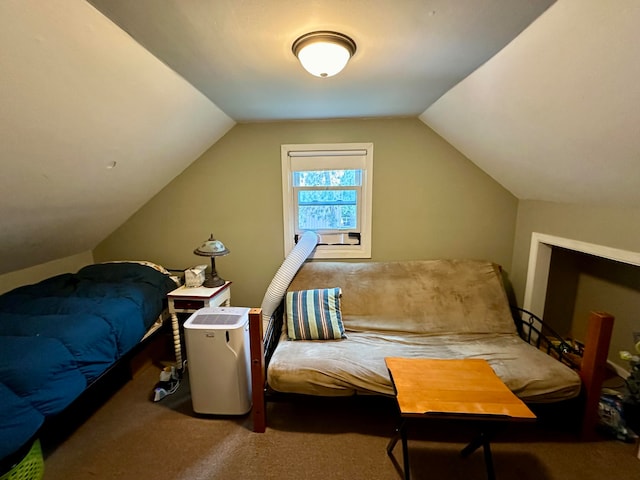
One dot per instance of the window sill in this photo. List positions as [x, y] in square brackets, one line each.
[337, 252]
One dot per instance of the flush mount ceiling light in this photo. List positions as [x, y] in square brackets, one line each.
[323, 53]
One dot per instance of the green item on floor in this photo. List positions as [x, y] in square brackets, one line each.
[31, 467]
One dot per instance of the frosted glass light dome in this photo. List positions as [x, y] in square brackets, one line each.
[324, 54]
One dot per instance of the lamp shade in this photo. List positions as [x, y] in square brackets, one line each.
[211, 248]
[324, 54]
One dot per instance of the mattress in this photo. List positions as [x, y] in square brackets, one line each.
[356, 364]
[59, 335]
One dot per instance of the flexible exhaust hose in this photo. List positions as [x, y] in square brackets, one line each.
[280, 282]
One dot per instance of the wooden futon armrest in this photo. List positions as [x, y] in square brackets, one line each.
[590, 359]
[262, 347]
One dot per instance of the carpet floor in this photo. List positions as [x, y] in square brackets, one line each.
[131, 437]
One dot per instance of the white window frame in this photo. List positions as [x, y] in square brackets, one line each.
[334, 156]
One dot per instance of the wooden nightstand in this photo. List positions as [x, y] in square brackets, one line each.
[189, 300]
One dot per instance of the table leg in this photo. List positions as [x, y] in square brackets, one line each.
[401, 434]
[392, 443]
[177, 347]
[475, 444]
[488, 460]
[484, 440]
[405, 452]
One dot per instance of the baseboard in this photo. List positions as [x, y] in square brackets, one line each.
[617, 369]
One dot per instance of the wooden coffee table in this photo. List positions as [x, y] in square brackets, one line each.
[453, 390]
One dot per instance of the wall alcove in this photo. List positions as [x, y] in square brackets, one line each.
[567, 279]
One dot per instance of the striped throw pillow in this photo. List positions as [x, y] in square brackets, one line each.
[314, 314]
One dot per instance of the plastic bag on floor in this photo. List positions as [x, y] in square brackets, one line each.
[611, 418]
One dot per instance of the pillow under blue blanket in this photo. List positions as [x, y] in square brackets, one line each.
[117, 272]
[314, 314]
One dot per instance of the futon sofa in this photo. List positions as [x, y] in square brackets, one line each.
[429, 309]
[426, 308]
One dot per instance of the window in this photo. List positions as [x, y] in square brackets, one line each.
[327, 188]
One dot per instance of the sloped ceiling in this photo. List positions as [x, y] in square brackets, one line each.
[104, 103]
[555, 116]
[91, 127]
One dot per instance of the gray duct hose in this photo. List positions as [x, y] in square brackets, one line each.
[286, 272]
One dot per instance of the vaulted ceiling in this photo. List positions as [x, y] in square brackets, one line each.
[239, 54]
[542, 95]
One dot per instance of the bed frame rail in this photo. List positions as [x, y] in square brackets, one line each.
[534, 331]
[272, 333]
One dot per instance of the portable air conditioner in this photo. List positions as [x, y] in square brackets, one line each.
[218, 360]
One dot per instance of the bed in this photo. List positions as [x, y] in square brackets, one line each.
[58, 336]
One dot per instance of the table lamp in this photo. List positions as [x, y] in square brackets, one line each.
[212, 248]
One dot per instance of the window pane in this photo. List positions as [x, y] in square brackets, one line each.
[327, 197]
[328, 178]
[327, 209]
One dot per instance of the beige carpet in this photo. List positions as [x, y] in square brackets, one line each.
[130, 437]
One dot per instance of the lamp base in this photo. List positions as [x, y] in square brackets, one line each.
[212, 281]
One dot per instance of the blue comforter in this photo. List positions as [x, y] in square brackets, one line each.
[59, 335]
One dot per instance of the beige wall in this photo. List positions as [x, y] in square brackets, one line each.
[614, 289]
[429, 201]
[27, 276]
[612, 227]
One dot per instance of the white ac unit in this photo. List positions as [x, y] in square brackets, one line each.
[218, 360]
